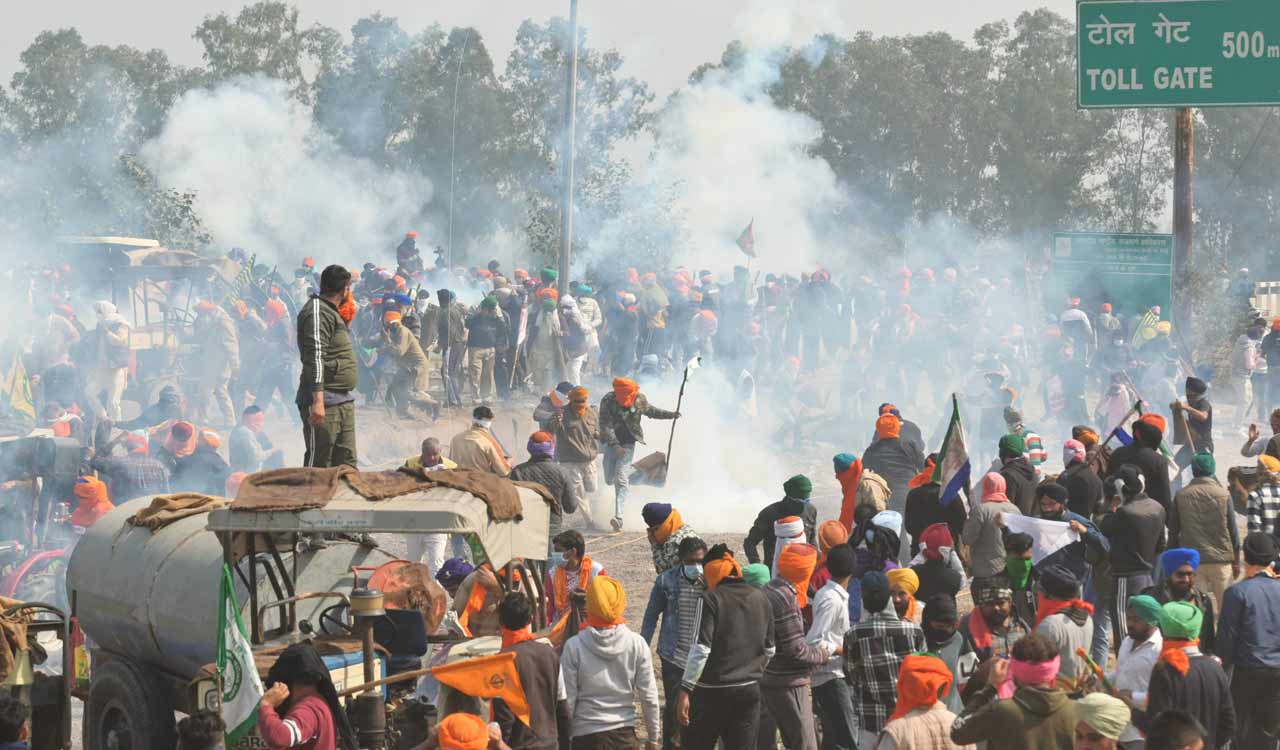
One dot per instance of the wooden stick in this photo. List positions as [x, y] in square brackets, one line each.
[398, 677]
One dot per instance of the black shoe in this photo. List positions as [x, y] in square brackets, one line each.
[616, 524]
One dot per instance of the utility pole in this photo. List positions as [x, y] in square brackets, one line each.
[1183, 223]
[570, 117]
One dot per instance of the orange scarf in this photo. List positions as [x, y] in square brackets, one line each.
[668, 527]
[1047, 607]
[1172, 654]
[560, 583]
[512, 637]
[924, 477]
[625, 391]
[849, 479]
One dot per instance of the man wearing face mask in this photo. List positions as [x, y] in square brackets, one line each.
[325, 400]
[674, 598]
[477, 448]
[570, 570]
[1021, 575]
[941, 625]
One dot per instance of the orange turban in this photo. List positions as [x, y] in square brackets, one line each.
[888, 426]
[796, 564]
[210, 439]
[831, 534]
[625, 391]
[922, 680]
[548, 292]
[182, 439]
[94, 501]
[275, 311]
[391, 316]
[1155, 420]
[205, 306]
[462, 731]
[717, 570]
[1086, 436]
[578, 400]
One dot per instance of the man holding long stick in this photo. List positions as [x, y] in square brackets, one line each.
[1192, 426]
[620, 430]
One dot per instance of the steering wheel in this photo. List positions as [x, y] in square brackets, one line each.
[329, 615]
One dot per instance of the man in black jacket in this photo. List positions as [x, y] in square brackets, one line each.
[1144, 453]
[542, 468]
[923, 509]
[719, 696]
[1019, 475]
[796, 503]
[894, 459]
[1135, 527]
[486, 334]
[1084, 486]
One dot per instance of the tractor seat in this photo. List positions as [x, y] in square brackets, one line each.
[403, 633]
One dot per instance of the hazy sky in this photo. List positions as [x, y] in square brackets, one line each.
[660, 40]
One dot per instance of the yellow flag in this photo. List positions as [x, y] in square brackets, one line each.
[488, 677]
[17, 390]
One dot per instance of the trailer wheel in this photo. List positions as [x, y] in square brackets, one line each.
[126, 711]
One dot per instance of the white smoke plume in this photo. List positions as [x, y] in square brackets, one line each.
[726, 155]
[268, 179]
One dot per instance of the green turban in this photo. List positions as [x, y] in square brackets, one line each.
[1203, 465]
[1181, 620]
[1107, 716]
[1146, 608]
[798, 487]
[1012, 445]
[548, 305]
[756, 574]
[489, 303]
[549, 274]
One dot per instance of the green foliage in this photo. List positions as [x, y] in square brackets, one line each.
[265, 38]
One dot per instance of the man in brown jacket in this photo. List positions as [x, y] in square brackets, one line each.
[577, 432]
[1203, 519]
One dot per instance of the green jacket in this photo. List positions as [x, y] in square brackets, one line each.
[613, 415]
[324, 344]
[1033, 719]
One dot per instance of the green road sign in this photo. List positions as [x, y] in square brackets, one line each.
[1130, 271]
[1192, 53]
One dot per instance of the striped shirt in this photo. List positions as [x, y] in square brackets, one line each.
[1264, 509]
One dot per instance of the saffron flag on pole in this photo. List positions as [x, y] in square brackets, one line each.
[488, 677]
[952, 471]
[241, 688]
[747, 240]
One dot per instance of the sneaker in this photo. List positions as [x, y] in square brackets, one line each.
[616, 524]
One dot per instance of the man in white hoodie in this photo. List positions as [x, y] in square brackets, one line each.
[606, 667]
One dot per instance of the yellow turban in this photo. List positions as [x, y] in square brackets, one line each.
[907, 580]
[606, 601]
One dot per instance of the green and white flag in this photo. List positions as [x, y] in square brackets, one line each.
[241, 686]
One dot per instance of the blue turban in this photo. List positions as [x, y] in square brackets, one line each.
[655, 513]
[843, 461]
[400, 299]
[1176, 558]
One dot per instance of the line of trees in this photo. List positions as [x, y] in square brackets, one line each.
[984, 131]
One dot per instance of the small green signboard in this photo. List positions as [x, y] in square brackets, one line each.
[1188, 53]
[1130, 271]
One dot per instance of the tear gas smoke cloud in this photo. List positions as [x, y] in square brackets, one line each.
[269, 180]
[727, 154]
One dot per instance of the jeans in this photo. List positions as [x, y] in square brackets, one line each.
[617, 471]
[672, 674]
[835, 711]
[1100, 649]
[1261, 395]
[727, 714]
